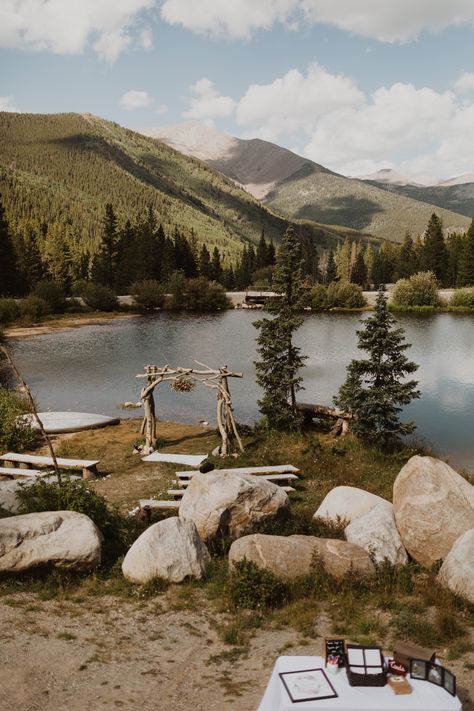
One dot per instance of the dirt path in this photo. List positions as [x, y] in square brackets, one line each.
[106, 652]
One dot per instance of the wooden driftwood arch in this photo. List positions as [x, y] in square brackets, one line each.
[184, 380]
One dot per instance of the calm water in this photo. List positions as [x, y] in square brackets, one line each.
[93, 368]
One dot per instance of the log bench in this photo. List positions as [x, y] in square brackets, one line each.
[26, 461]
[157, 504]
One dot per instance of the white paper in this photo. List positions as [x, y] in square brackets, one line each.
[372, 657]
[356, 657]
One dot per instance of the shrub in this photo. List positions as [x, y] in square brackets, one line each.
[148, 294]
[319, 295]
[255, 588]
[53, 293]
[15, 434]
[463, 298]
[98, 297]
[74, 495]
[205, 295]
[176, 287]
[344, 295]
[34, 307]
[421, 289]
[9, 310]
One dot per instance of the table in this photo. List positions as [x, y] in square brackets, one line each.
[425, 696]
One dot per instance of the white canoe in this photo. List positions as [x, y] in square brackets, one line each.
[58, 422]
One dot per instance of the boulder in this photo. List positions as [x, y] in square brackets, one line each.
[457, 571]
[66, 540]
[9, 488]
[377, 533]
[347, 503]
[433, 507]
[170, 549]
[292, 556]
[229, 504]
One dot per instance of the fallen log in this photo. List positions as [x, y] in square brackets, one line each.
[311, 410]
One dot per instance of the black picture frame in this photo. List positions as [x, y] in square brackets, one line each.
[434, 673]
[449, 682]
[419, 669]
[286, 680]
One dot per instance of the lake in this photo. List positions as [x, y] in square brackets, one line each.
[93, 368]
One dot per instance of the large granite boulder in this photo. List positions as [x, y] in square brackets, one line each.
[229, 504]
[170, 549]
[347, 503]
[66, 540]
[457, 571]
[433, 507]
[292, 556]
[377, 533]
[8, 495]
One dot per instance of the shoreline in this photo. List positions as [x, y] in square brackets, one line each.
[59, 324]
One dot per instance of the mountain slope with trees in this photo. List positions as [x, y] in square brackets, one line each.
[298, 188]
[59, 171]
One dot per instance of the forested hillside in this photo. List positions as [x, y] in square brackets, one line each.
[59, 171]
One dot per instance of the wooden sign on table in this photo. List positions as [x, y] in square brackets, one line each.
[335, 646]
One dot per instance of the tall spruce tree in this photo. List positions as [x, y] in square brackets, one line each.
[466, 261]
[106, 261]
[375, 387]
[10, 282]
[435, 253]
[331, 269]
[280, 360]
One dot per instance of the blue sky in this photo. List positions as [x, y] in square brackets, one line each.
[356, 85]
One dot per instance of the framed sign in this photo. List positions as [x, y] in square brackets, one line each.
[434, 673]
[307, 685]
[335, 646]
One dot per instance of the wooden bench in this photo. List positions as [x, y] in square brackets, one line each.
[156, 504]
[26, 461]
[179, 493]
[255, 471]
[184, 477]
[15, 473]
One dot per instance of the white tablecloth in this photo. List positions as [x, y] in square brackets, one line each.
[424, 697]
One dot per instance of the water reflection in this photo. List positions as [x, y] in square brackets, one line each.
[93, 368]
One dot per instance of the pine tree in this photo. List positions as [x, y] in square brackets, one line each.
[280, 360]
[10, 282]
[466, 266]
[262, 252]
[376, 387]
[205, 262]
[106, 262]
[216, 267]
[343, 260]
[331, 269]
[359, 271]
[435, 253]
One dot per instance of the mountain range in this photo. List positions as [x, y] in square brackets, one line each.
[63, 169]
[298, 188]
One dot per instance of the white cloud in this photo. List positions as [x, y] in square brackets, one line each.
[146, 38]
[208, 103]
[135, 100]
[465, 82]
[231, 18]
[7, 103]
[383, 20]
[67, 26]
[295, 101]
[161, 109]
